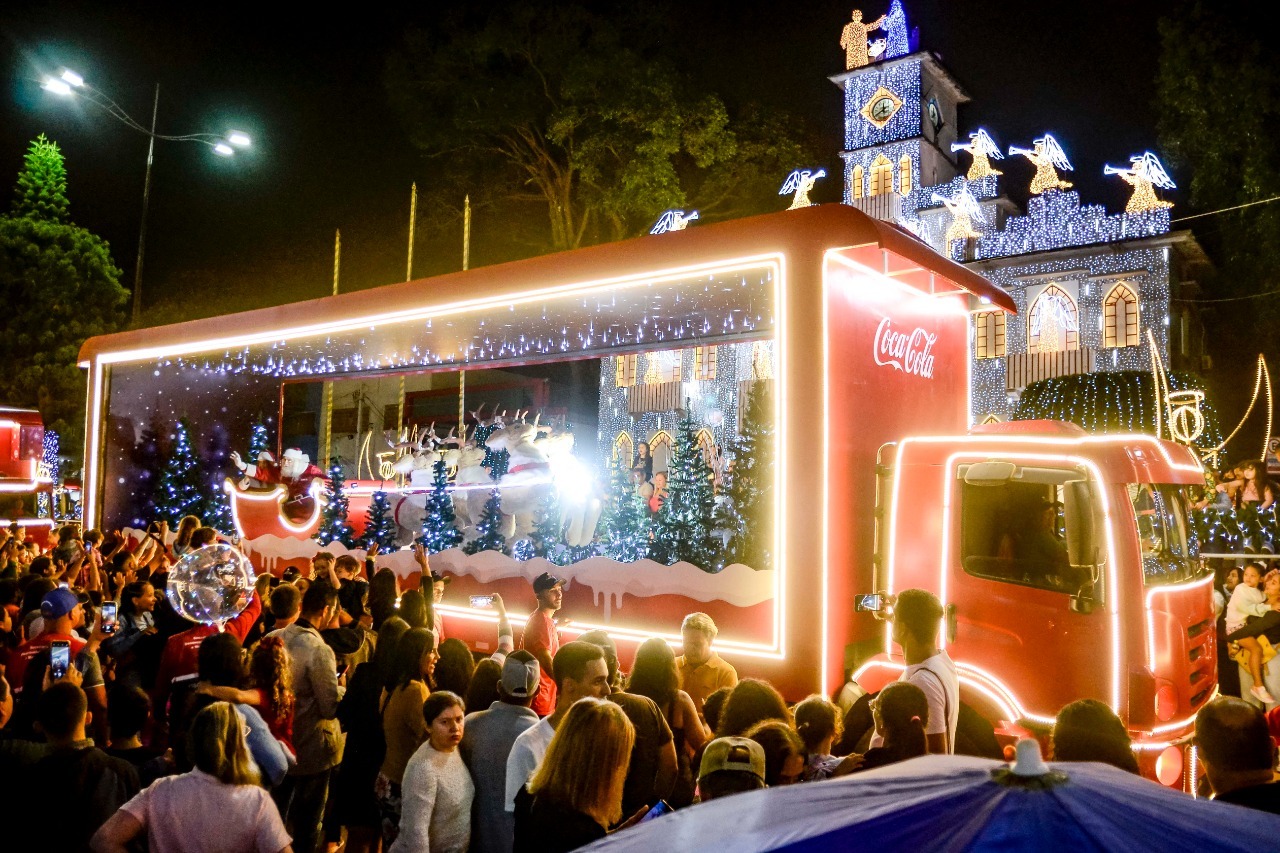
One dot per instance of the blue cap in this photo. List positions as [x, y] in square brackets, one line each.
[58, 603]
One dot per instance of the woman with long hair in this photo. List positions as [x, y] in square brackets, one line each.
[414, 609]
[270, 691]
[384, 595]
[359, 712]
[402, 724]
[1255, 487]
[654, 674]
[136, 645]
[819, 724]
[576, 793]
[182, 539]
[901, 714]
[437, 790]
[783, 752]
[482, 690]
[218, 805]
[752, 702]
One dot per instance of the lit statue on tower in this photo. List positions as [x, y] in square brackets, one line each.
[1146, 173]
[854, 40]
[800, 182]
[1048, 157]
[964, 210]
[982, 149]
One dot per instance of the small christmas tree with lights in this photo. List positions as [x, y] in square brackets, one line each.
[682, 528]
[744, 510]
[379, 523]
[258, 441]
[547, 536]
[625, 520]
[182, 483]
[488, 529]
[148, 462]
[334, 526]
[439, 524]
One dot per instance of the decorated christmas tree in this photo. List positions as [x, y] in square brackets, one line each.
[216, 511]
[334, 526]
[258, 441]
[682, 528]
[488, 529]
[744, 511]
[379, 523]
[495, 460]
[625, 520]
[182, 483]
[439, 525]
[548, 528]
[148, 464]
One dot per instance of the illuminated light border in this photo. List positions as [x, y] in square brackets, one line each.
[1113, 593]
[1207, 580]
[277, 494]
[28, 522]
[1121, 439]
[972, 677]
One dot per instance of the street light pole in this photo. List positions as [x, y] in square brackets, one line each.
[146, 202]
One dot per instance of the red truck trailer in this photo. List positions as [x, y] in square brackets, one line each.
[863, 335]
[23, 478]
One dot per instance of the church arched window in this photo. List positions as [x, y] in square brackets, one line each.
[625, 375]
[1053, 323]
[904, 174]
[857, 181]
[1120, 318]
[623, 449]
[881, 176]
[988, 338]
[660, 444]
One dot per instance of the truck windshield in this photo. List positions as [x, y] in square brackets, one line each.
[1160, 513]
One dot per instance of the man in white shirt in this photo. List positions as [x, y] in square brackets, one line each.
[580, 671]
[917, 617]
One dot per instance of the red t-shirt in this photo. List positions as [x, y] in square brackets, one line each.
[281, 725]
[180, 660]
[16, 668]
[540, 636]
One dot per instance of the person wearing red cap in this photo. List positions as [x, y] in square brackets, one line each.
[542, 640]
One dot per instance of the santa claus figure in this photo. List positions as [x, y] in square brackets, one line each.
[295, 472]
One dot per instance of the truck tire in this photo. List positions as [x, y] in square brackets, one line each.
[974, 734]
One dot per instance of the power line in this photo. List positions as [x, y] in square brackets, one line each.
[1233, 298]
[1226, 210]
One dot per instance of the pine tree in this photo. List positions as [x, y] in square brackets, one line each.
[682, 528]
[488, 529]
[334, 526]
[495, 460]
[439, 524]
[745, 510]
[258, 441]
[148, 459]
[625, 520]
[379, 523]
[41, 191]
[181, 489]
[548, 526]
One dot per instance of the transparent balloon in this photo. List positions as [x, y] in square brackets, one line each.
[211, 584]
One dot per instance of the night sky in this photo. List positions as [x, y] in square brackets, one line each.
[330, 153]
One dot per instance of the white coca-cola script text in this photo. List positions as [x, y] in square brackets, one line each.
[911, 352]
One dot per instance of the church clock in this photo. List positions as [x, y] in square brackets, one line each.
[881, 107]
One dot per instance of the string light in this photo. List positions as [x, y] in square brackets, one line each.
[800, 182]
[982, 149]
[1048, 157]
[902, 80]
[1147, 172]
[673, 220]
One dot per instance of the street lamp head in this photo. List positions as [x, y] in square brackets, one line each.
[238, 138]
[72, 78]
[56, 86]
[223, 149]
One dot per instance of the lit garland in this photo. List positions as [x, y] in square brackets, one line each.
[902, 78]
[50, 467]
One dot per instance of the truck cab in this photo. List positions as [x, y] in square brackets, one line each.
[1066, 571]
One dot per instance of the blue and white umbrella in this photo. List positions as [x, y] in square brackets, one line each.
[959, 803]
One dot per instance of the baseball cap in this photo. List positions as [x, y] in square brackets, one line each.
[520, 678]
[733, 753]
[58, 603]
[437, 577]
[546, 581]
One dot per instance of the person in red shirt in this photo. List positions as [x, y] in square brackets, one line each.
[542, 640]
[179, 663]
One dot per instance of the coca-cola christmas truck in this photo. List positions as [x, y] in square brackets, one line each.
[27, 480]
[759, 419]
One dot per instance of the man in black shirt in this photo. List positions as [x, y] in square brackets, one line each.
[1238, 754]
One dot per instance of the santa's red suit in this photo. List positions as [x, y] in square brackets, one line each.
[296, 473]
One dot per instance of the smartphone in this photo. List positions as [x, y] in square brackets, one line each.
[657, 811]
[108, 617]
[59, 659]
[873, 602]
[342, 667]
[482, 601]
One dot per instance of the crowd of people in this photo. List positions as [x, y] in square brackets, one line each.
[334, 712]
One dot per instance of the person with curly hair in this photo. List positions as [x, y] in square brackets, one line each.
[271, 693]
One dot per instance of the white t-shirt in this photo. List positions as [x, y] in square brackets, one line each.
[526, 754]
[936, 677]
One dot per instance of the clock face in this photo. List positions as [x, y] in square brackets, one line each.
[881, 107]
[935, 114]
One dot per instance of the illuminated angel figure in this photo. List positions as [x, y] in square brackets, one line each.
[981, 148]
[964, 211]
[800, 182]
[854, 40]
[1147, 172]
[1048, 157]
[1051, 319]
[673, 220]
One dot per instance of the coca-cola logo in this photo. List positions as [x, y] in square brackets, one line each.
[911, 352]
